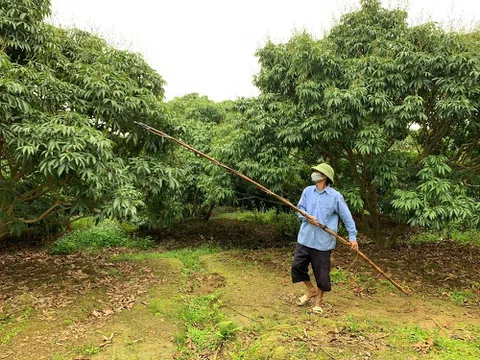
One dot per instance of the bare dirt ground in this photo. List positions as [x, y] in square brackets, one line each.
[88, 306]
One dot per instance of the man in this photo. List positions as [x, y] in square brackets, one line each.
[323, 205]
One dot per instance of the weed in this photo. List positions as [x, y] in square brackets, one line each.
[7, 338]
[461, 297]
[157, 306]
[83, 223]
[190, 257]
[385, 285]
[91, 350]
[426, 237]
[471, 236]
[457, 347]
[351, 324]
[257, 217]
[468, 236]
[338, 276]
[58, 357]
[226, 330]
[138, 256]
[205, 327]
[107, 234]
[22, 324]
[365, 280]
[286, 223]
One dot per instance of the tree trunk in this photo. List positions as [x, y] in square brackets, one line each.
[208, 214]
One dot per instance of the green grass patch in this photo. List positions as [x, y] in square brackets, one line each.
[286, 223]
[385, 286]
[190, 257]
[352, 325]
[338, 276]
[105, 235]
[83, 223]
[470, 236]
[205, 326]
[460, 297]
[58, 357]
[88, 222]
[463, 344]
[91, 350]
[162, 306]
[11, 327]
[257, 217]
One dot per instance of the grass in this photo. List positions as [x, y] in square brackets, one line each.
[105, 235]
[287, 224]
[205, 326]
[91, 350]
[7, 332]
[338, 276]
[190, 257]
[470, 237]
[351, 324]
[274, 329]
[257, 217]
[88, 222]
[460, 297]
[414, 340]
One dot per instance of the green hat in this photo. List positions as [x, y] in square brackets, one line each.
[325, 169]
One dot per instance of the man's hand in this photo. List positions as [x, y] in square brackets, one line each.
[312, 220]
[354, 245]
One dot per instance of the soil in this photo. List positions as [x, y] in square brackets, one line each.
[86, 306]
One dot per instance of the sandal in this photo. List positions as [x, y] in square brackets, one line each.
[304, 299]
[317, 310]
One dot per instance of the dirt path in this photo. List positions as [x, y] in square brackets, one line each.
[79, 307]
[93, 307]
[382, 325]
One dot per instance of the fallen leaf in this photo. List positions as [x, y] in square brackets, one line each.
[424, 346]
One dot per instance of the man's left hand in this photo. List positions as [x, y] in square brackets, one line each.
[354, 245]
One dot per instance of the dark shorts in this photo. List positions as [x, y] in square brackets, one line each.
[320, 261]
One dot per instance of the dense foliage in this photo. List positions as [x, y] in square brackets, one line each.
[67, 140]
[197, 120]
[394, 109]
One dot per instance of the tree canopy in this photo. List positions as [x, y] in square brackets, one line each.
[67, 140]
[393, 108]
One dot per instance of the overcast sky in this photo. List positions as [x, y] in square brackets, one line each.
[208, 46]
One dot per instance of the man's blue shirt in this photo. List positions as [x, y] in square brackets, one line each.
[326, 205]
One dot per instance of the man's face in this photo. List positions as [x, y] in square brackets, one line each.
[317, 176]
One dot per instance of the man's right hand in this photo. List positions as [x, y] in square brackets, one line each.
[312, 220]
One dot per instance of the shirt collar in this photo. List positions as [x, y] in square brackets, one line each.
[326, 190]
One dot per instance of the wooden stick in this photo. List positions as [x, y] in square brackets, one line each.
[281, 199]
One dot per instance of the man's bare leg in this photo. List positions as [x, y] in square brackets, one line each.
[311, 292]
[319, 298]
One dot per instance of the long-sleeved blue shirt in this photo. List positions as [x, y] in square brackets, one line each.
[326, 205]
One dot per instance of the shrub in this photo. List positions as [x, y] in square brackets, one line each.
[83, 223]
[287, 224]
[338, 276]
[106, 235]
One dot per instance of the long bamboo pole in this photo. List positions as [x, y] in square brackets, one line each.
[280, 198]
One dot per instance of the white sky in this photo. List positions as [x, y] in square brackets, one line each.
[208, 46]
